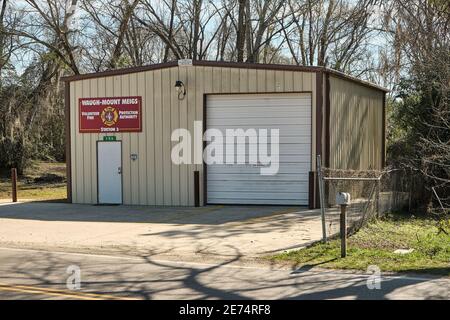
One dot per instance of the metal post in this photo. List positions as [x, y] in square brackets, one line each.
[439, 199]
[322, 197]
[343, 230]
[14, 184]
[378, 199]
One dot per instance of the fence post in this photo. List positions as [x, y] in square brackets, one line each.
[439, 199]
[14, 184]
[321, 197]
[343, 230]
[378, 198]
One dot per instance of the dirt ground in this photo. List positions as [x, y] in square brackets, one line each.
[43, 181]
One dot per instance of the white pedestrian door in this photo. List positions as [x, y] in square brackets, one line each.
[109, 164]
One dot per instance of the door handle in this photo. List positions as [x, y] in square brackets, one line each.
[119, 170]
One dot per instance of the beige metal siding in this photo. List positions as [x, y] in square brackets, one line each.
[356, 126]
[153, 179]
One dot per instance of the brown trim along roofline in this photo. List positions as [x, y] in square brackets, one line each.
[118, 72]
[341, 75]
[204, 63]
[68, 142]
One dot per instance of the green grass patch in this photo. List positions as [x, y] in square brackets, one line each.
[375, 245]
[29, 189]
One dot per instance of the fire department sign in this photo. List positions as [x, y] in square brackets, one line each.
[109, 115]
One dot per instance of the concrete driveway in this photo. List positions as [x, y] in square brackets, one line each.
[214, 231]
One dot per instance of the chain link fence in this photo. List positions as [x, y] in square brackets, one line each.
[372, 192]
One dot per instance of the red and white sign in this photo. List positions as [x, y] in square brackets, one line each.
[110, 115]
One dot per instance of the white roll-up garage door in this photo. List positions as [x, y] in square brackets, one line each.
[244, 184]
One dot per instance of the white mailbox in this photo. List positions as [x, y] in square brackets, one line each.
[343, 198]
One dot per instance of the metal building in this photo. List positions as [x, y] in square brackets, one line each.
[128, 161]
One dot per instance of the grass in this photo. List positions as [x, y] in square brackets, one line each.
[28, 189]
[375, 245]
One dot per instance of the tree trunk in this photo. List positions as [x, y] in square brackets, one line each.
[240, 42]
[197, 9]
[170, 36]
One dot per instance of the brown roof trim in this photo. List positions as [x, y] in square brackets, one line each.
[345, 76]
[258, 66]
[119, 72]
[223, 64]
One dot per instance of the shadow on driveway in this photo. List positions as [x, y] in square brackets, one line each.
[210, 215]
[209, 230]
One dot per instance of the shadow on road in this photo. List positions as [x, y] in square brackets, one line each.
[147, 278]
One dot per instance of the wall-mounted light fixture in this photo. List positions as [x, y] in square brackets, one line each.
[181, 89]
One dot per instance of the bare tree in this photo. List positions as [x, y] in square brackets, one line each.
[240, 30]
[47, 25]
[41, 35]
[420, 37]
[113, 20]
[332, 33]
[188, 29]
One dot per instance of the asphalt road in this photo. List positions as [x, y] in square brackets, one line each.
[29, 274]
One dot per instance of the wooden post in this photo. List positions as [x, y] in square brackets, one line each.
[14, 184]
[197, 189]
[343, 230]
[311, 190]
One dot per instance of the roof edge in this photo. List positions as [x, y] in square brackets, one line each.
[118, 72]
[223, 64]
[348, 77]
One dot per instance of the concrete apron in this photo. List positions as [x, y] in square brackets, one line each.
[221, 232]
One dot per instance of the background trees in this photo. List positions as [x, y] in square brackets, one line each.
[420, 40]
[401, 44]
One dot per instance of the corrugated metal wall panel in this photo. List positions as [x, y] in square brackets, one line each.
[356, 126]
[153, 179]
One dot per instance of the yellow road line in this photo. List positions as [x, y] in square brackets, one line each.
[59, 293]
